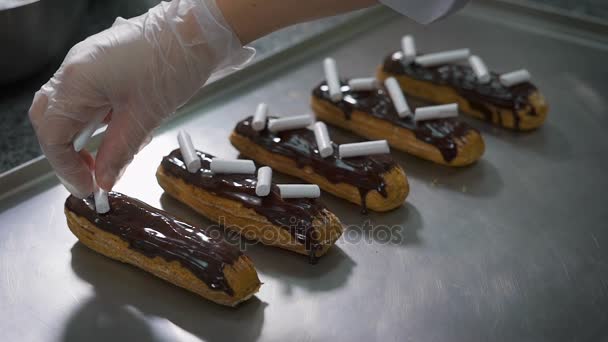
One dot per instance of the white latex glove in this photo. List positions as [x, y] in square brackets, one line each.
[136, 74]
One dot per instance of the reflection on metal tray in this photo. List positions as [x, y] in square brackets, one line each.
[513, 248]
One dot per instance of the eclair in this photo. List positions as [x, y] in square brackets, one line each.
[519, 106]
[371, 113]
[374, 182]
[301, 225]
[156, 242]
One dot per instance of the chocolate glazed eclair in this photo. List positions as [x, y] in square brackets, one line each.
[151, 239]
[376, 182]
[371, 114]
[520, 107]
[302, 225]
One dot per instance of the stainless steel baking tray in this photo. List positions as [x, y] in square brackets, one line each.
[514, 248]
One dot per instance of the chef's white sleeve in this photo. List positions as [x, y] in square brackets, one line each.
[425, 11]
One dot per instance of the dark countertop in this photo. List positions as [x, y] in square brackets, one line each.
[18, 143]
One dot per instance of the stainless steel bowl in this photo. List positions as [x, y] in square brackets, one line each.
[32, 32]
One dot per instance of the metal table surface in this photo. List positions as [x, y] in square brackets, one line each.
[514, 248]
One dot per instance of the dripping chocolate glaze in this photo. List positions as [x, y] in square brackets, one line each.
[441, 133]
[463, 80]
[294, 215]
[300, 145]
[154, 233]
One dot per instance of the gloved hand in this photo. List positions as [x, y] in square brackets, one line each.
[137, 73]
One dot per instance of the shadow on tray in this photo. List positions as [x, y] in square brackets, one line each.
[131, 305]
[481, 179]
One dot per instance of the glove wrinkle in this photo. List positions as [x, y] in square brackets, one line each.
[142, 70]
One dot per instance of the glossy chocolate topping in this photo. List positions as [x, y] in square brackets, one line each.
[294, 215]
[462, 79]
[154, 233]
[364, 173]
[441, 133]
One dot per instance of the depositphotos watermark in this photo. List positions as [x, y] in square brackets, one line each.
[297, 232]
